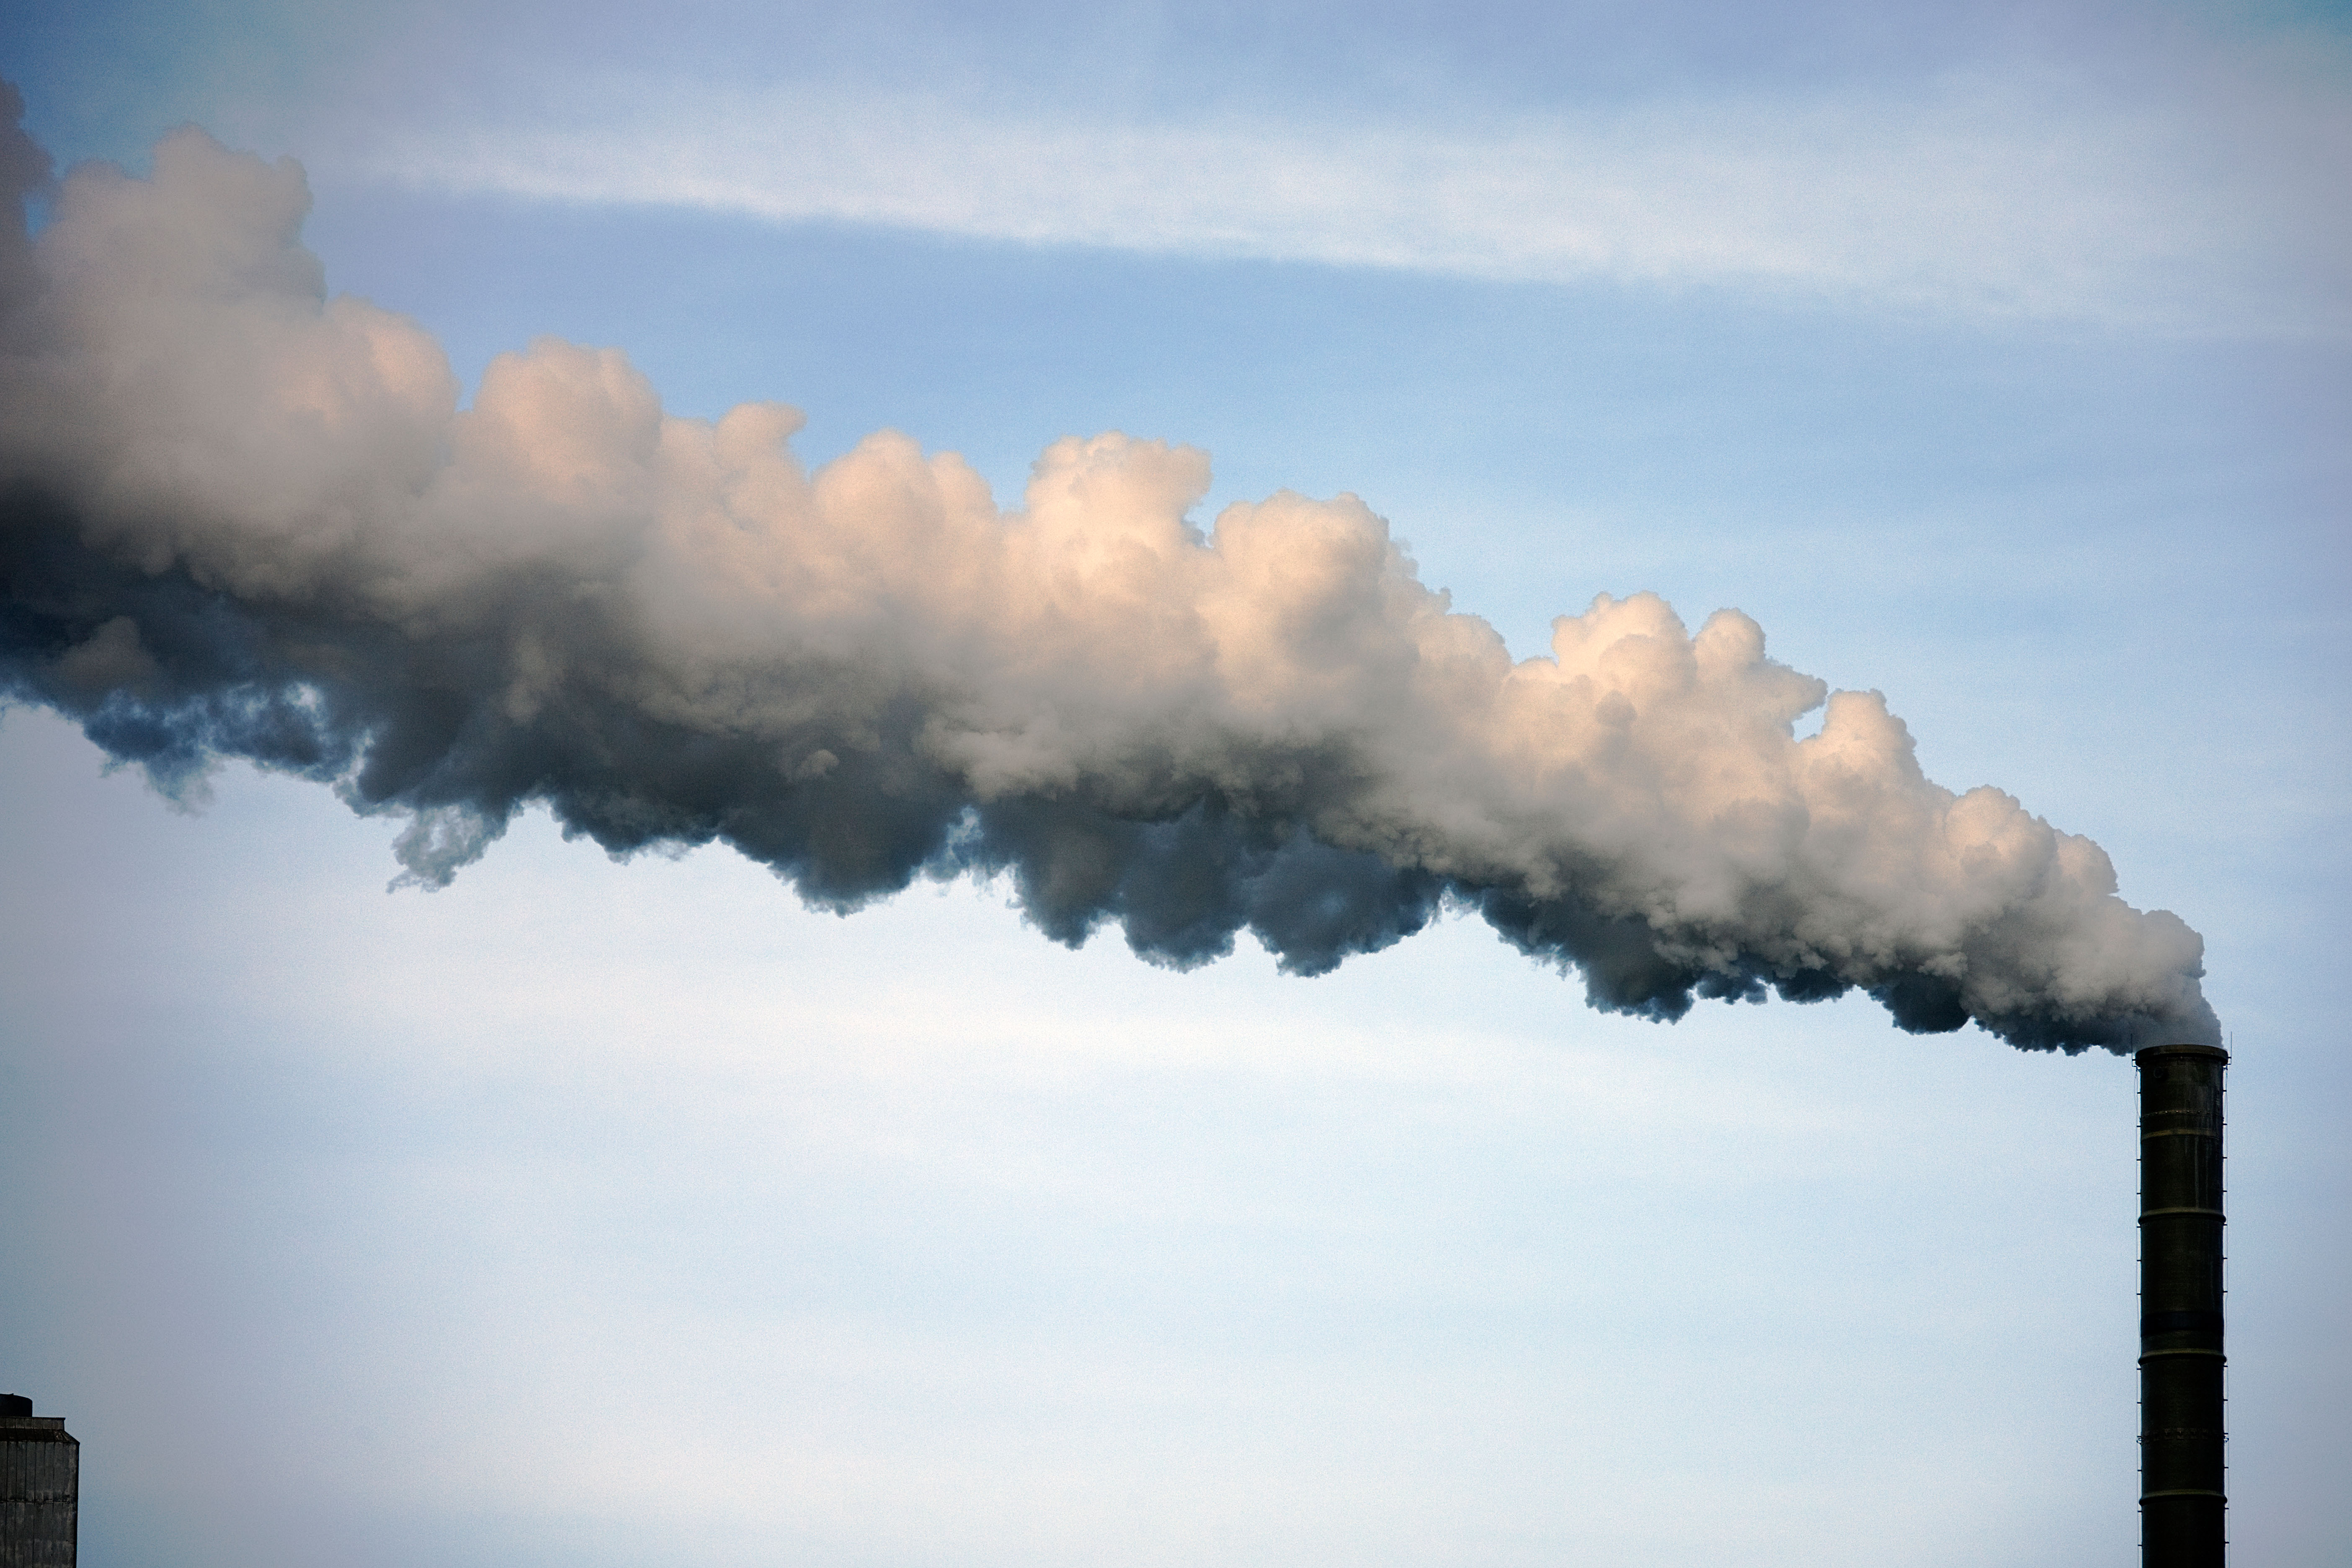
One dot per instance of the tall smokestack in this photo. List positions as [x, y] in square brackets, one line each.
[2182, 1505]
[40, 1487]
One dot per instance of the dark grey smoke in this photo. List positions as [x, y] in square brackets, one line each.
[241, 519]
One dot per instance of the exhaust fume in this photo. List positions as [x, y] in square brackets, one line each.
[242, 519]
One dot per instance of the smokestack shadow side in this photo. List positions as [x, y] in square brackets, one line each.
[2183, 1505]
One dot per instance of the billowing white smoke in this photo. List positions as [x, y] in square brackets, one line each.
[242, 519]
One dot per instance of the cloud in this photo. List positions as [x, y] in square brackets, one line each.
[2012, 194]
[241, 518]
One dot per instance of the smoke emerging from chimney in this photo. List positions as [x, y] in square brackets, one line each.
[239, 518]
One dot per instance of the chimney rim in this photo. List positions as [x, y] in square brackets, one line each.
[2212, 1053]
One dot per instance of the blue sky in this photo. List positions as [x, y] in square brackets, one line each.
[1992, 357]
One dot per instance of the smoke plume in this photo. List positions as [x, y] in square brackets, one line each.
[239, 518]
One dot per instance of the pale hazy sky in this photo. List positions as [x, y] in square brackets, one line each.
[1992, 357]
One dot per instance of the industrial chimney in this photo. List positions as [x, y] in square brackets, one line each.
[2182, 1501]
[40, 1487]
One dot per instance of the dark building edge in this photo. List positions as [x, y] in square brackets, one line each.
[40, 1488]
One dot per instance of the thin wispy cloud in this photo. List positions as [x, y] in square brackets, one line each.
[2020, 196]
